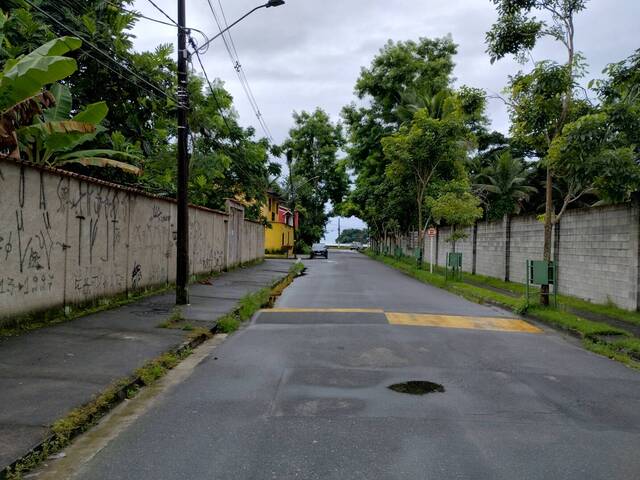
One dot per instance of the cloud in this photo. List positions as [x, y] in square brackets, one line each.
[308, 53]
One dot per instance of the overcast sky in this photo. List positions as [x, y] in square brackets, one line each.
[308, 53]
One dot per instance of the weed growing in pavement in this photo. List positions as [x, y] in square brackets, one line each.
[173, 320]
[253, 302]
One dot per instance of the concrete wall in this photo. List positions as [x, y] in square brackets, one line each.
[527, 235]
[490, 245]
[598, 255]
[67, 239]
[597, 250]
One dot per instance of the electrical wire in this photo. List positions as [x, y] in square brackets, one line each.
[171, 22]
[219, 107]
[163, 13]
[106, 55]
[233, 55]
[244, 75]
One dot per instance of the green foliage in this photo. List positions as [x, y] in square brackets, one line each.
[456, 206]
[318, 175]
[537, 103]
[431, 148]
[593, 156]
[425, 66]
[227, 161]
[517, 30]
[503, 185]
[25, 76]
[401, 72]
[350, 235]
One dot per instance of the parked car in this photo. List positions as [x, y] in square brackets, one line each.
[319, 250]
[356, 246]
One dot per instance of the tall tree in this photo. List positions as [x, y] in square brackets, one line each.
[319, 176]
[516, 32]
[399, 69]
[430, 148]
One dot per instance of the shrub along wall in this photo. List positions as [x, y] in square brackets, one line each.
[67, 239]
[597, 250]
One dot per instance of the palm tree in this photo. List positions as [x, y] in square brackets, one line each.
[439, 105]
[504, 185]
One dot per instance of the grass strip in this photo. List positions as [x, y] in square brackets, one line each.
[607, 310]
[599, 337]
[250, 304]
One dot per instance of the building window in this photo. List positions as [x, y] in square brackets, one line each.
[273, 217]
[283, 239]
[269, 203]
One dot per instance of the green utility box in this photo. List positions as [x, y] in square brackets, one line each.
[453, 267]
[542, 273]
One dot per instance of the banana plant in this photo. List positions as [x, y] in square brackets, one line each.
[21, 87]
[39, 124]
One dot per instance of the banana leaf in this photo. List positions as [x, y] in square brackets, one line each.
[62, 109]
[103, 162]
[93, 113]
[100, 152]
[26, 76]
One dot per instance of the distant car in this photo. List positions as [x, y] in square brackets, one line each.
[319, 250]
[356, 246]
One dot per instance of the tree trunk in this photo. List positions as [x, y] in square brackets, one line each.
[420, 234]
[453, 238]
[548, 224]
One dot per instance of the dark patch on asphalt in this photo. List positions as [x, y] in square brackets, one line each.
[319, 318]
[417, 387]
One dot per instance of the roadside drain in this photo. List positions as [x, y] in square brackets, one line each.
[417, 387]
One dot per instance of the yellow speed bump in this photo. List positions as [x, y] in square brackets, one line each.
[471, 323]
[324, 310]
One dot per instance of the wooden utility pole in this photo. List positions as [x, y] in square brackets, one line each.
[182, 258]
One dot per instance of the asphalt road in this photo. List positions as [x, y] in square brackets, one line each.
[302, 394]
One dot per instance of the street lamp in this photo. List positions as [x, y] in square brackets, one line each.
[182, 236]
[269, 4]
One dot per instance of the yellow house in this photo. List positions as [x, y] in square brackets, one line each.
[278, 235]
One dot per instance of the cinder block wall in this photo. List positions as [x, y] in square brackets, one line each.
[597, 250]
[598, 254]
[527, 235]
[67, 239]
[491, 247]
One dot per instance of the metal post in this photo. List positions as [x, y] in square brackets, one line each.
[182, 257]
[430, 254]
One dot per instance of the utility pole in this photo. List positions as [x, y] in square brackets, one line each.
[182, 258]
[338, 228]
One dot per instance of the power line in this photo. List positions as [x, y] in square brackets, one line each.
[106, 55]
[219, 107]
[233, 55]
[163, 13]
[244, 75]
[172, 23]
[213, 93]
